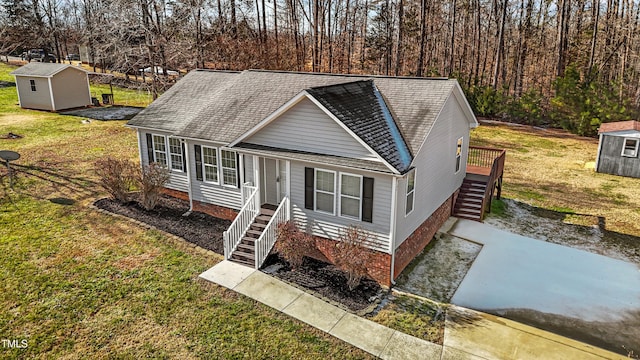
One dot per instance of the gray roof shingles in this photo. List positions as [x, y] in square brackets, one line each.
[222, 106]
[41, 69]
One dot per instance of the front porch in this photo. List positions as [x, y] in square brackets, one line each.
[265, 198]
[485, 169]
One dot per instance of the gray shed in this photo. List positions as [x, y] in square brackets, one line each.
[52, 87]
[618, 148]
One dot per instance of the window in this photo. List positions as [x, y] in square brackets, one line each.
[458, 154]
[159, 150]
[229, 171]
[175, 151]
[630, 147]
[350, 195]
[411, 190]
[210, 164]
[33, 85]
[325, 191]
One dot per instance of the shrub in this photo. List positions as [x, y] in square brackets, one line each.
[151, 180]
[293, 244]
[351, 256]
[117, 176]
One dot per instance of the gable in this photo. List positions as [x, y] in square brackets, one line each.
[306, 127]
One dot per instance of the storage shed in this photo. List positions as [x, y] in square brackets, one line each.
[618, 148]
[52, 87]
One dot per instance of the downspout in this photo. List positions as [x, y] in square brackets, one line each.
[188, 162]
[392, 233]
[599, 150]
[53, 102]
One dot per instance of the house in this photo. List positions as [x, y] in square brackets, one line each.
[52, 87]
[618, 148]
[386, 154]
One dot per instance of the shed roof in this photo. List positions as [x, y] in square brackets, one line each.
[619, 126]
[38, 69]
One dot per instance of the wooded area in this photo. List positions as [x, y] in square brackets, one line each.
[570, 63]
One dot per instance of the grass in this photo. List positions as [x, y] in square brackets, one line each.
[535, 174]
[80, 284]
[422, 319]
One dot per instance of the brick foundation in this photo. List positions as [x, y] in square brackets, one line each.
[417, 241]
[220, 212]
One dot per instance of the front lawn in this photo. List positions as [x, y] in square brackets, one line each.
[80, 284]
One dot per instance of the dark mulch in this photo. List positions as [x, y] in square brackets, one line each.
[326, 280]
[197, 228]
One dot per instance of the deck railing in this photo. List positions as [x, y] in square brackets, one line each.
[268, 237]
[242, 222]
[484, 156]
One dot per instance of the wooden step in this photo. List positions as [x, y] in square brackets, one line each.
[247, 248]
[263, 219]
[258, 226]
[253, 233]
[242, 255]
[248, 240]
[462, 216]
[248, 263]
[267, 212]
[467, 212]
[471, 207]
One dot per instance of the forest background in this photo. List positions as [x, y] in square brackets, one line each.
[561, 63]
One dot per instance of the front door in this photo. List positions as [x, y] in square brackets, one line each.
[273, 175]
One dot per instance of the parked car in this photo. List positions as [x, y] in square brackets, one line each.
[74, 57]
[40, 55]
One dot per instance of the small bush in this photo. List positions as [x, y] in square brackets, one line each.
[151, 180]
[293, 244]
[117, 176]
[351, 256]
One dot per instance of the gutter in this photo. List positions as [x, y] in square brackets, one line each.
[189, 190]
[392, 233]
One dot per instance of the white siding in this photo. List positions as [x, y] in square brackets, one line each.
[306, 127]
[178, 179]
[39, 99]
[435, 164]
[226, 196]
[329, 226]
[70, 89]
[248, 168]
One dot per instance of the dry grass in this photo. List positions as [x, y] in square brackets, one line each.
[553, 170]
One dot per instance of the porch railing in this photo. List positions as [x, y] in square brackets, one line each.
[497, 169]
[241, 223]
[484, 156]
[268, 237]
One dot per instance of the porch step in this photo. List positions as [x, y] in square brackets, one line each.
[469, 202]
[245, 252]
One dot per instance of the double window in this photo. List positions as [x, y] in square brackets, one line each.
[157, 146]
[630, 147]
[216, 165]
[411, 191]
[332, 192]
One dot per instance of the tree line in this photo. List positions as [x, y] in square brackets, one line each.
[569, 63]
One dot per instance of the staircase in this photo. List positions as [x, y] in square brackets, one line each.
[245, 252]
[469, 204]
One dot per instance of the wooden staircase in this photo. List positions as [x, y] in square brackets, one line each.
[245, 252]
[469, 202]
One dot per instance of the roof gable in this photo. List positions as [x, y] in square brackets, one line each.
[361, 108]
[47, 70]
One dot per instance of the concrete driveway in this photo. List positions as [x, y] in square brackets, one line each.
[585, 296]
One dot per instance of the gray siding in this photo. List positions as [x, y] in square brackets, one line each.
[436, 178]
[612, 162]
[329, 226]
[306, 127]
[39, 99]
[210, 193]
[178, 179]
[70, 89]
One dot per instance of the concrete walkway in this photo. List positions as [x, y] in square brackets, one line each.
[468, 334]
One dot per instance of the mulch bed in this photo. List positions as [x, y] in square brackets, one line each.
[198, 228]
[206, 231]
[326, 280]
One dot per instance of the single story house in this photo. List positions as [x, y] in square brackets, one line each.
[386, 154]
[618, 148]
[52, 87]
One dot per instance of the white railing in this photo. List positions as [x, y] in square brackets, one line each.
[246, 189]
[242, 222]
[268, 237]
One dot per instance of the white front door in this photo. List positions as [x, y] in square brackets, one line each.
[273, 180]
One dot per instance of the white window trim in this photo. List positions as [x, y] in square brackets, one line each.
[221, 169]
[458, 157]
[635, 152]
[204, 165]
[315, 191]
[169, 154]
[359, 218]
[155, 151]
[407, 193]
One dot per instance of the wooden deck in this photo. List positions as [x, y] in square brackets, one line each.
[478, 170]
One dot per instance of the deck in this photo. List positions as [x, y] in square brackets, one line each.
[485, 168]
